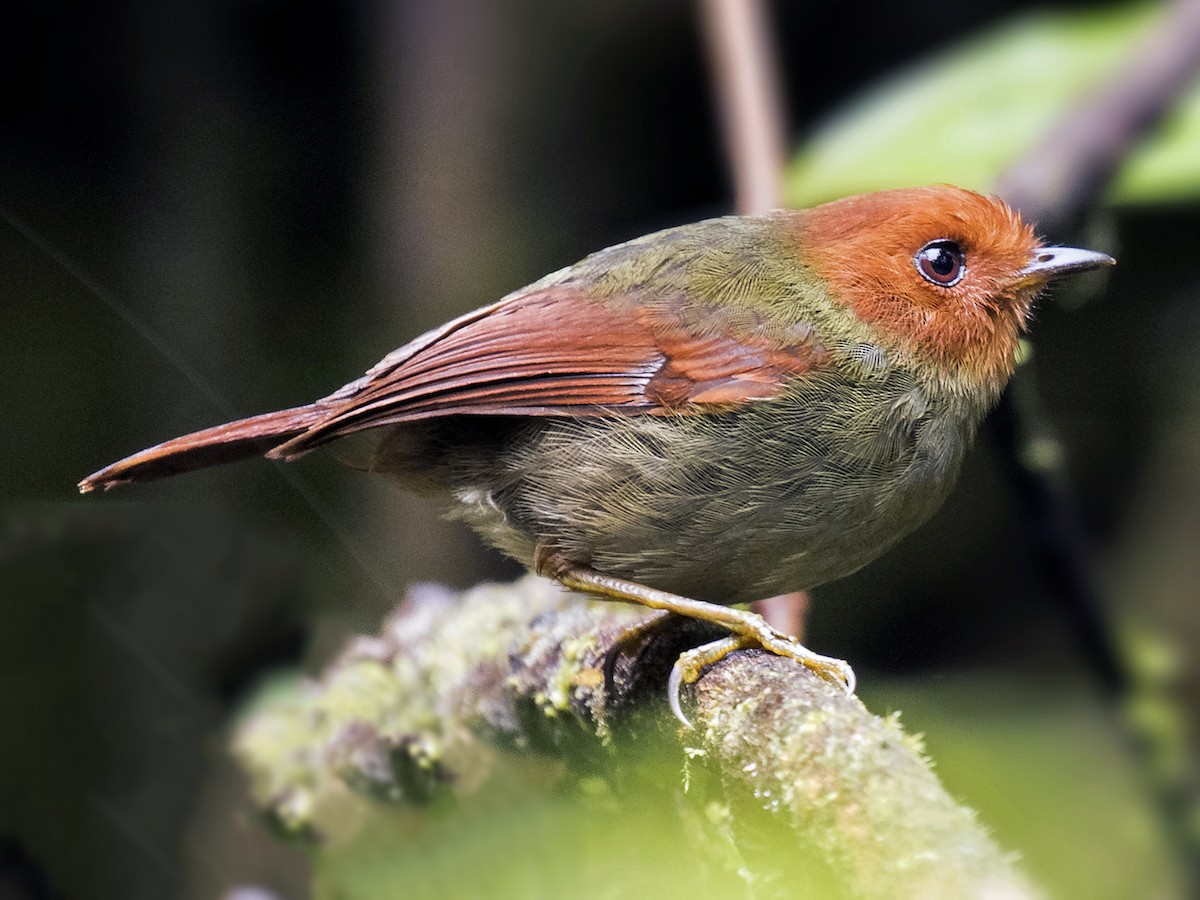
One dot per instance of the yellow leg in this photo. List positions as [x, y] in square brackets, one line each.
[748, 629]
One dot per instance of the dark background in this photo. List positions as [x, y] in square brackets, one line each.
[218, 208]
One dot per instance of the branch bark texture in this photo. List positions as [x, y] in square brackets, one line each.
[799, 764]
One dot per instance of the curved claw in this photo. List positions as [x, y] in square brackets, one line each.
[688, 666]
[674, 685]
[849, 679]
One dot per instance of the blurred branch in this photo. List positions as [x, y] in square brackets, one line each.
[1053, 185]
[792, 754]
[1066, 171]
[745, 77]
[786, 612]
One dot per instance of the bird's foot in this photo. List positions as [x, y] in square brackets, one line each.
[761, 635]
[747, 629]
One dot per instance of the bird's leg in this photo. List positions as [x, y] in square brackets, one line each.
[748, 629]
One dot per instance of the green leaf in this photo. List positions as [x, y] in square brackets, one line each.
[964, 115]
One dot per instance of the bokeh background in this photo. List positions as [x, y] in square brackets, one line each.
[214, 208]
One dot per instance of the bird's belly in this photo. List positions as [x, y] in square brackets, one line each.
[723, 508]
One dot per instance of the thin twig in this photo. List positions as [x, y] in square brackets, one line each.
[746, 80]
[787, 612]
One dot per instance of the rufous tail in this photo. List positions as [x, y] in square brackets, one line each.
[210, 447]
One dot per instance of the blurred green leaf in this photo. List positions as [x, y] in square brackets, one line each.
[965, 115]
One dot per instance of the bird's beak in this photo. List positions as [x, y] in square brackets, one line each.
[1053, 262]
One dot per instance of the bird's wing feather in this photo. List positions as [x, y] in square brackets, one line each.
[554, 351]
[558, 351]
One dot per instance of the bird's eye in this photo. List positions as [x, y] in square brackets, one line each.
[941, 262]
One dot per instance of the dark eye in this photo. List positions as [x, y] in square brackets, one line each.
[941, 262]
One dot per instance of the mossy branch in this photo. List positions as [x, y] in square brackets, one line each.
[456, 688]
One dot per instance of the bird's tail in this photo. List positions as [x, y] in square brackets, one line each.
[210, 447]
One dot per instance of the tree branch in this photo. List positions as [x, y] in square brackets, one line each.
[746, 82]
[406, 715]
[1063, 174]
[1053, 184]
[745, 76]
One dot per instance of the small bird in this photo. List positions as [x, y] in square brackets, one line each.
[705, 416]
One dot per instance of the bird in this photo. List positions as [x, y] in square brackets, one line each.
[704, 416]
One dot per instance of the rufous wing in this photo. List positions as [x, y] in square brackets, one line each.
[557, 352]
[551, 352]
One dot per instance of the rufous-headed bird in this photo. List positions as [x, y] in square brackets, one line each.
[704, 416]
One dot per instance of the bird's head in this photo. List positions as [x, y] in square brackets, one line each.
[946, 273]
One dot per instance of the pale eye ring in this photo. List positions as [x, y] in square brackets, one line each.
[941, 262]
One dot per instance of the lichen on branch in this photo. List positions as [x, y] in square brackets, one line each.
[783, 773]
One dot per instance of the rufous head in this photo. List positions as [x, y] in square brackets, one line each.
[946, 272]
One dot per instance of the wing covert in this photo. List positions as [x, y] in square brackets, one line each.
[558, 351]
